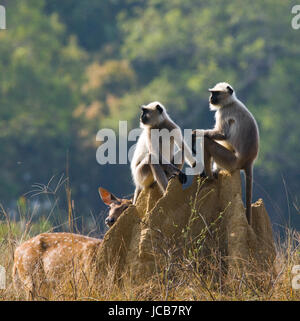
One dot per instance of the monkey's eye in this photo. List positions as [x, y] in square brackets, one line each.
[216, 93]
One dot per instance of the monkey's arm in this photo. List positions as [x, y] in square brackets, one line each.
[156, 157]
[214, 134]
[182, 145]
[221, 131]
[188, 155]
[170, 169]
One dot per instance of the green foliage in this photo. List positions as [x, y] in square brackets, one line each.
[40, 81]
[7, 231]
[93, 21]
[16, 230]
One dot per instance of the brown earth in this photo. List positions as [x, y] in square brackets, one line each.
[206, 219]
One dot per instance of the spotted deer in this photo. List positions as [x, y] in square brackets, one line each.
[50, 260]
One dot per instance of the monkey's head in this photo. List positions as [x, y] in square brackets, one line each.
[221, 95]
[152, 114]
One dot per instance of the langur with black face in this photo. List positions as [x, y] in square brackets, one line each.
[234, 141]
[158, 163]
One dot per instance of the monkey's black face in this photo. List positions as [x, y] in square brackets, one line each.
[145, 116]
[151, 114]
[215, 97]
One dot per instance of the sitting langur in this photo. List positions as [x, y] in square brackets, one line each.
[158, 163]
[234, 141]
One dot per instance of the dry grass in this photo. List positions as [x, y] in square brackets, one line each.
[184, 279]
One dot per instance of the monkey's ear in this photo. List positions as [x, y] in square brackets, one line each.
[230, 90]
[106, 196]
[159, 108]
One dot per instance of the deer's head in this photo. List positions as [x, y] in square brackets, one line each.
[117, 205]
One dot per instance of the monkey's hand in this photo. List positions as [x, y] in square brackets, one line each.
[181, 176]
[213, 134]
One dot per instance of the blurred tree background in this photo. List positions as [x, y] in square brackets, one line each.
[69, 68]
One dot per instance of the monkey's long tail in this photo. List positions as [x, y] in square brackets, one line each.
[249, 175]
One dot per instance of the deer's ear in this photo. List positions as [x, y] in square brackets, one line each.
[106, 196]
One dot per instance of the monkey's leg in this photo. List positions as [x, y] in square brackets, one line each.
[174, 169]
[143, 173]
[177, 159]
[169, 170]
[143, 177]
[221, 155]
[160, 176]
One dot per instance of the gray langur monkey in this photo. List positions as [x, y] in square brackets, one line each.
[234, 141]
[158, 164]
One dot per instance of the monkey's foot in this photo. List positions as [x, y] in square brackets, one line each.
[181, 176]
[207, 178]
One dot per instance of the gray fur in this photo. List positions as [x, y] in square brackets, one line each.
[234, 141]
[144, 172]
